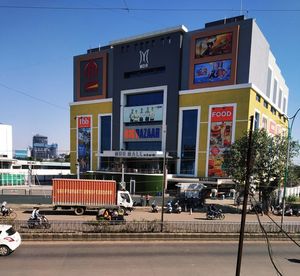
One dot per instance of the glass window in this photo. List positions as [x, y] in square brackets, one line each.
[258, 98]
[145, 99]
[188, 141]
[284, 105]
[280, 99]
[269, 82]
[143, 146]
[105, 139]
[256, 120]
[266, 105]
[105, 135]
[275, 92]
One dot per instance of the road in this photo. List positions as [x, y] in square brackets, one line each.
[148, 258]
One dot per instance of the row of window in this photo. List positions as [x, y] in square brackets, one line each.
[277, 98]
[273, 110]
[147, 44]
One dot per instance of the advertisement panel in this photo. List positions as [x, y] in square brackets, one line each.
[146, 113]
[142, 133]
[212, 71]
[272, 127]
[213, 45]
[84, 142]
[220, 138]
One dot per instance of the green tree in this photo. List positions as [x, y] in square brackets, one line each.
[268, 162]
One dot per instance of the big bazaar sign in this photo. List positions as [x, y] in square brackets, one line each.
[143, 133]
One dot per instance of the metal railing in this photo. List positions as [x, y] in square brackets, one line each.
[153, 227]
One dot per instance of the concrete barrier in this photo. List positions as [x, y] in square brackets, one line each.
[151, 237]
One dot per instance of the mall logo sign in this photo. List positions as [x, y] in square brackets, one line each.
[144, 61]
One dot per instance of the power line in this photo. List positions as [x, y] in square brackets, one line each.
[127, 9]
[32, 97]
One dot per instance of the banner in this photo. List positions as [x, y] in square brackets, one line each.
[146, 113]
[212, 71]
[220, 137]
[84, 143]
[213, 45]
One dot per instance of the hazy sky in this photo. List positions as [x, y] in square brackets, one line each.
[37, 48]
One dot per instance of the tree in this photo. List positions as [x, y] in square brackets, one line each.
[268, 161]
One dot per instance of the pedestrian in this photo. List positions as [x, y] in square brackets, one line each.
[147, 199]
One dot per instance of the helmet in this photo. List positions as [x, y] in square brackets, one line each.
[4, 203]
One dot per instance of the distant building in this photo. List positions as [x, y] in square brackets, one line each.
[41, 149]
[22, 154]
[5, 141]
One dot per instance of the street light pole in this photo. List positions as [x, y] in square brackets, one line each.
[286, 174]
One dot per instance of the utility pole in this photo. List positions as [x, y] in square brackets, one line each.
[287, 162]
[164, 179]
[246, 192]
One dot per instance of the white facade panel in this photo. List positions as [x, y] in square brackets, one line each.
[6, 148]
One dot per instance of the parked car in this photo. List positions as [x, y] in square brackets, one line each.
[9, 239]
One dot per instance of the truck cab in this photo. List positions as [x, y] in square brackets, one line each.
[124, 200]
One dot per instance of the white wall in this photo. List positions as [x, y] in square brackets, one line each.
[6, 141]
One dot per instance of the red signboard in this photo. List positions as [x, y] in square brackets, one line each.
[222, 114]
[84, 122]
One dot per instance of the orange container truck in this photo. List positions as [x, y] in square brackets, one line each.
[84, 194]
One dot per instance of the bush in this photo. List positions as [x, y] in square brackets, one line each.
[292, 198]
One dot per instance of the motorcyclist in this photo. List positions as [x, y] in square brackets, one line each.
[212, 210]
[154, 207]
[35, 215]
[4, 209]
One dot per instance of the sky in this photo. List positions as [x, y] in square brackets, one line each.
[39, 38]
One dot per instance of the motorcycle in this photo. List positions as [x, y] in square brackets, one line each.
[42, 222]
[178, 208]
[169, 208]
[154, 208]
[278, 211]
[215, 215]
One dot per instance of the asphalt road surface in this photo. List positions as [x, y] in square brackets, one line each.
[148, 258]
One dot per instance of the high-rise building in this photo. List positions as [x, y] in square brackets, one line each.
[41, 149]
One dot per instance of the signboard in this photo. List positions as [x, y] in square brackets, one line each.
[220, 138]
[146, 113]
[213, 45]
[132, 154]
[272, 127]
[212, 71]
[84, 142]
[142, 133]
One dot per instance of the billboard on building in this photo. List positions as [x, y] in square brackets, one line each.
[220, 138]
[213, 58]
[212, 71]
[84, 127]
[91, 76]
[147, 113]
[213, 45]
[142, 133]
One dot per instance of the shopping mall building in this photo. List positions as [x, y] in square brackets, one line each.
[187, 93]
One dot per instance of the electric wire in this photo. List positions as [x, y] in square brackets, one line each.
[32, 97]
[127, 9]
[281, 229]
[270, 253]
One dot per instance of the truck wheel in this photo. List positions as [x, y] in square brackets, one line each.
[79, 211]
